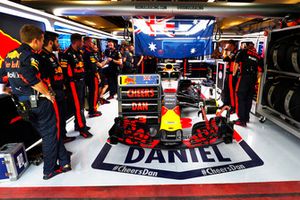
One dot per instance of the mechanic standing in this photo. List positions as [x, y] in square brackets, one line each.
[52, 74]
[22, 68]
[128, 67]
[73, 65]
[230, 51]
[113, 69]
[92, 77]
[103, 86]
[248, 68]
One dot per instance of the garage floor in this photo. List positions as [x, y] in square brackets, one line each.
[263, 163]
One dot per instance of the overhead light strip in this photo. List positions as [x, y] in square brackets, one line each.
[34, 11]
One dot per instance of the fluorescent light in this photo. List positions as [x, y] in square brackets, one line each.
[90, 23]
[210, 1]
[33, 14]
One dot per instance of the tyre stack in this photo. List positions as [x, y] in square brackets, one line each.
[285, 55]
[283, 95]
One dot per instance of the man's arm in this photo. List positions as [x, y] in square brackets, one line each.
[43, 89]
[235, 68]
[140, 61]
[238, 59]
[29, 72]
[118, 61]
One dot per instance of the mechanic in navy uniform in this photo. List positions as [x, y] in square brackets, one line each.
[22, 68]
[51, 72]
[73, 66]
[128, 62]
[103, 85]
[92, 77]
[114, 68]
[228, 92]
[247, 67]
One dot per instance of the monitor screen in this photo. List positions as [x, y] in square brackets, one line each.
[64, 41]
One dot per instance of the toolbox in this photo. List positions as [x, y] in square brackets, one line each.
[13, 161]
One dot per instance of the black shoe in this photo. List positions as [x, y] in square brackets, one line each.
[95, 114]
[110, 97]
[66, 168]
[68, 139]
[232, 110]
[104, 101]
[85, 128]
[69, 153]
[240, 123]
[52, 174]
[86, 134]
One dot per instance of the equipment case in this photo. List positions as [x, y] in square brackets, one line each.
[13, 161]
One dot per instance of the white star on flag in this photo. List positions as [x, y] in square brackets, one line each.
[195, 21]
[152, 46]
[193, 50]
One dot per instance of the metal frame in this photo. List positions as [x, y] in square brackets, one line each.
[271, 114]
[122, 101]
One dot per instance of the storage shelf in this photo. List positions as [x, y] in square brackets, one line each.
[284, 73]
[269, 114]
[282, 115]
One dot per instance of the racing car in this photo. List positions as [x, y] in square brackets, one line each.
[177, 94]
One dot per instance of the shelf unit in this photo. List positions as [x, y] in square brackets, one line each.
[278, 118]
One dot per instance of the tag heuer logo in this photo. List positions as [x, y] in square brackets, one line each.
[177, 164]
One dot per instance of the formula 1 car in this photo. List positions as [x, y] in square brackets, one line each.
[177, 93]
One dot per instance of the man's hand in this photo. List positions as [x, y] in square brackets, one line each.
[109, 59]
[50, 97]
[7, 90]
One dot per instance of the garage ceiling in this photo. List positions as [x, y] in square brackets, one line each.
[106, 15]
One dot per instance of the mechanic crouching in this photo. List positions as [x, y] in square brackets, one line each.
[22, 69]
[247, 67]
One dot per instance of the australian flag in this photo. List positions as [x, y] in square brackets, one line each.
[172, 37]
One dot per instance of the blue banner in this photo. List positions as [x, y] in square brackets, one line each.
[171, 37]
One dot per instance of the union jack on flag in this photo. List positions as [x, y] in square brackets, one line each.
[172, 37]
[147, 78]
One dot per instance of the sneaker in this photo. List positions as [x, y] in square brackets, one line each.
[95, 114]
[86, 134]
[66, 168]
[85, 128]
[52, 174]
[232, 110]
[68, 139]
[240, 123]
[110, 97]
[104, 101]
[69, 153]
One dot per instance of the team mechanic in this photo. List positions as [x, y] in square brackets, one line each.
[230, 51]
[72, 63]
[103, 85]
[22, 69]
[92, 77]
[248, 64]
[52, 74]
[113, 69]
